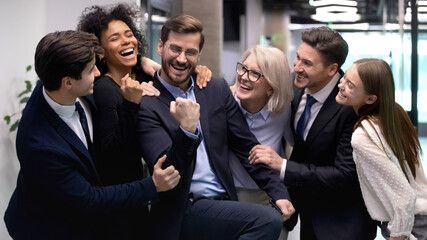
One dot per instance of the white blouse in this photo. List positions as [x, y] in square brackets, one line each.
[387, 193]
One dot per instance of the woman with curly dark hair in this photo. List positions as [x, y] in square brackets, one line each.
[117, 94]
[119, 160]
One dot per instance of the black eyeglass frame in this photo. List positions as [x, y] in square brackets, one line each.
[246, 70]
[175, 51]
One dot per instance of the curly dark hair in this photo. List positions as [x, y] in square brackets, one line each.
[95, 19]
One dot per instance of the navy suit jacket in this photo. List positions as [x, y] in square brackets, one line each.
[58, 193]
[321, 175]
[224, 128]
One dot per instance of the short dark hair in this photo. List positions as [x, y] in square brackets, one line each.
[328, 42]
[64, 53]
[183, 23]
[95, 20]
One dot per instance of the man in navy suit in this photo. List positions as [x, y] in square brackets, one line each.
[320, 174]
[59, 194]
[195, 128]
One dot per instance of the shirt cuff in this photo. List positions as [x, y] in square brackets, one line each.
[195, 136]
[283, 170]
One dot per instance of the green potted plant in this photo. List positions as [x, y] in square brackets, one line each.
[13, 119]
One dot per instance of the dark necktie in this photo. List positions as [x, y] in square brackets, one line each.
[305, 116]
[83, 121]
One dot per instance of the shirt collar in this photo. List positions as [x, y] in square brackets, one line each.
[66, 111]
[323, 94]
[263, 112]
[176, 91]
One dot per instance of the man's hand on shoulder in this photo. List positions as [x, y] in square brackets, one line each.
[204, 75]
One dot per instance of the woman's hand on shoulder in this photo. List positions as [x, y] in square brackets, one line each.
[149, 66]
[204, 75]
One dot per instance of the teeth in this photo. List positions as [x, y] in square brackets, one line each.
[179, 68]
[126, 51]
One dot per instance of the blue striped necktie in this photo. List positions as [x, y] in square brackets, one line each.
[305, 116]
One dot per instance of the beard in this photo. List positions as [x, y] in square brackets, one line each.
[174, 78]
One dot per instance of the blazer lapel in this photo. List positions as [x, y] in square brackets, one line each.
[70, 137]
[165, 96]
[298, 92]
[327, 112]
[204, 119]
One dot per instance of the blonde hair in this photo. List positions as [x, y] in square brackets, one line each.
[275, 68]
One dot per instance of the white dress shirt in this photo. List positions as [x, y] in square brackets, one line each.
[320, 97]
[70, 116]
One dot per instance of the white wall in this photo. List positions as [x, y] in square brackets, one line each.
[22, 24]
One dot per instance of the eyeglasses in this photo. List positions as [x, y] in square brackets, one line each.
[190, 54]
[253, 75]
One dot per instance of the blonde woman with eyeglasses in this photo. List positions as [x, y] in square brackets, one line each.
[263, 90]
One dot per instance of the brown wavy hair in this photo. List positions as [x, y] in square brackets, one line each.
[394, 122]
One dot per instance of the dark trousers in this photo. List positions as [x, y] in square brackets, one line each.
[224, 219]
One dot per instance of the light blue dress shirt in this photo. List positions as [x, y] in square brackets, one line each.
[268, 128]
[204, 180]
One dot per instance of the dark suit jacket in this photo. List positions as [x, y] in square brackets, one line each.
[223, 127]
[321, 175]
[58, 193]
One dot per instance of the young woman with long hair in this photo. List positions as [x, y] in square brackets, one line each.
[386, 151]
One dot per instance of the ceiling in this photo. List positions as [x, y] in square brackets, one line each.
[371, 11]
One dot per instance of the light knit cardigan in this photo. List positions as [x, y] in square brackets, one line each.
[387, 193]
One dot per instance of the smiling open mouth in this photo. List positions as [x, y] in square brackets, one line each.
[180, 68]
[245, 87]
[126, 52]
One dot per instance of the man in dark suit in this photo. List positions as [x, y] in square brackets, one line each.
[195, 128]
[320, 174]
[59, 194]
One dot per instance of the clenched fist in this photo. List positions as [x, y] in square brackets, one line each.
[186, 113]
[131, 89]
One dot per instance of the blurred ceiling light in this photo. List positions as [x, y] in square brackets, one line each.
[156, 18]
[320, 3]
[420, 3]
[422, 13]
[336, 17]
[420, 9]
[355, 26]
[335, 11]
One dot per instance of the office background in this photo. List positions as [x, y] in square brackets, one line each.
[231, 26]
